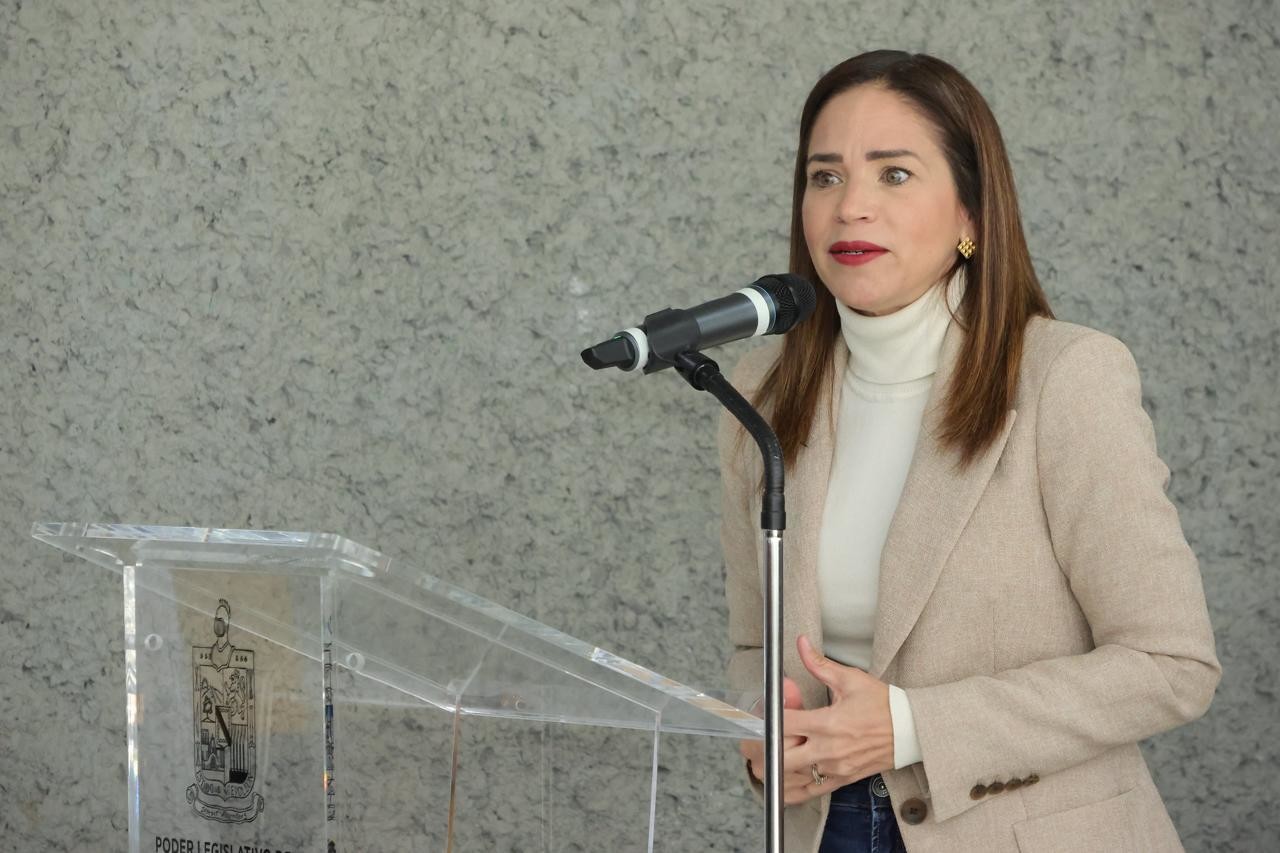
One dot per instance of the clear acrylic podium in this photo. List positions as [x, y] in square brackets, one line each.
[301, 692]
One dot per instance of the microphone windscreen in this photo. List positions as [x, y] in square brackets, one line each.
[794, 296]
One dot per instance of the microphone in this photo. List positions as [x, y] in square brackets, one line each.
[769, 306]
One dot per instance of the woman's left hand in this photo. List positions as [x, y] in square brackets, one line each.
[848, 740]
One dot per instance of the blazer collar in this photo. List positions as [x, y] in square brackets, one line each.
[937, 501]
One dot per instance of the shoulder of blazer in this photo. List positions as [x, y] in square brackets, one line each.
[1045, 340]
[750, 371]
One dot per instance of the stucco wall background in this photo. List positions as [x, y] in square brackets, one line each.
[327, 266]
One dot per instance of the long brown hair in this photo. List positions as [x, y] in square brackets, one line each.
[1002, 291]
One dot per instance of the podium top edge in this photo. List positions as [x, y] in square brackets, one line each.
[51, 531]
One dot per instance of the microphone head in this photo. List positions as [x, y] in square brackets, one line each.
[793, 295]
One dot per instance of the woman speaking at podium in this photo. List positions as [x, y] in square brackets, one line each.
[989, 599]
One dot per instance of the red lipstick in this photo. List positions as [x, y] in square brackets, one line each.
[855, 252]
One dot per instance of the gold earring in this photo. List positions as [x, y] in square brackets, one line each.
[967, 247]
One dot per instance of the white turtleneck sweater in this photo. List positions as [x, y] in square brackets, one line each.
[892, 362]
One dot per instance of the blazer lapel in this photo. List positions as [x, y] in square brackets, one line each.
[937, 501]
[806, 497]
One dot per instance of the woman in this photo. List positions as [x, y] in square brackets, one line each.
[980, 541]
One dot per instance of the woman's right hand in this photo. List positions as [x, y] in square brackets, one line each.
[753, 750]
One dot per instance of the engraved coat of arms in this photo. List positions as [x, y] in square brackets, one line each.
[222, 705]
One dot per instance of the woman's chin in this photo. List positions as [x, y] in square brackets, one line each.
[858, 299]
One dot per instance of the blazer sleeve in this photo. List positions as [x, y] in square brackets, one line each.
[1118, 541]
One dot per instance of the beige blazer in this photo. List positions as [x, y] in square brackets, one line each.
[1041, 609]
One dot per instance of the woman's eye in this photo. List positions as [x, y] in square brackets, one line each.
[822, 179]
[892, 170]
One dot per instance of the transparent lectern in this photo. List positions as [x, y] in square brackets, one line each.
[301, 692]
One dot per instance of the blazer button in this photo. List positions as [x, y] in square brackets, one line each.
[977, 792]
[1031, 780]
[995, 787]
[1013, 784]
[914, 810]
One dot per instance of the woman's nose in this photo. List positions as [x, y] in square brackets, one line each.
[854, 204]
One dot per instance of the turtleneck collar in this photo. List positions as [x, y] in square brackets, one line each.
[905, 345]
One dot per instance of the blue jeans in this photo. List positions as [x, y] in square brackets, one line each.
[861, 820]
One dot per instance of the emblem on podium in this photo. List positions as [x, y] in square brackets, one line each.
[226, 739]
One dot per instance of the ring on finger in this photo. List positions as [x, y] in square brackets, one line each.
[818, 778]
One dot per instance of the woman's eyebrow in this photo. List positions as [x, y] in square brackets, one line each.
[871, 155]
[895, 152]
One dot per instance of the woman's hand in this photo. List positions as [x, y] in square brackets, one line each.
[753, 750]
[848, 740]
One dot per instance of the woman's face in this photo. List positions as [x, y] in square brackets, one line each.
[876, 174]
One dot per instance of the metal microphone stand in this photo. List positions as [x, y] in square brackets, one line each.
[704, 374]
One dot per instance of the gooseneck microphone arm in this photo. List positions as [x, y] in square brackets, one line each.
[704, 374]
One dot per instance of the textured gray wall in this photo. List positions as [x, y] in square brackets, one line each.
[320, 265]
